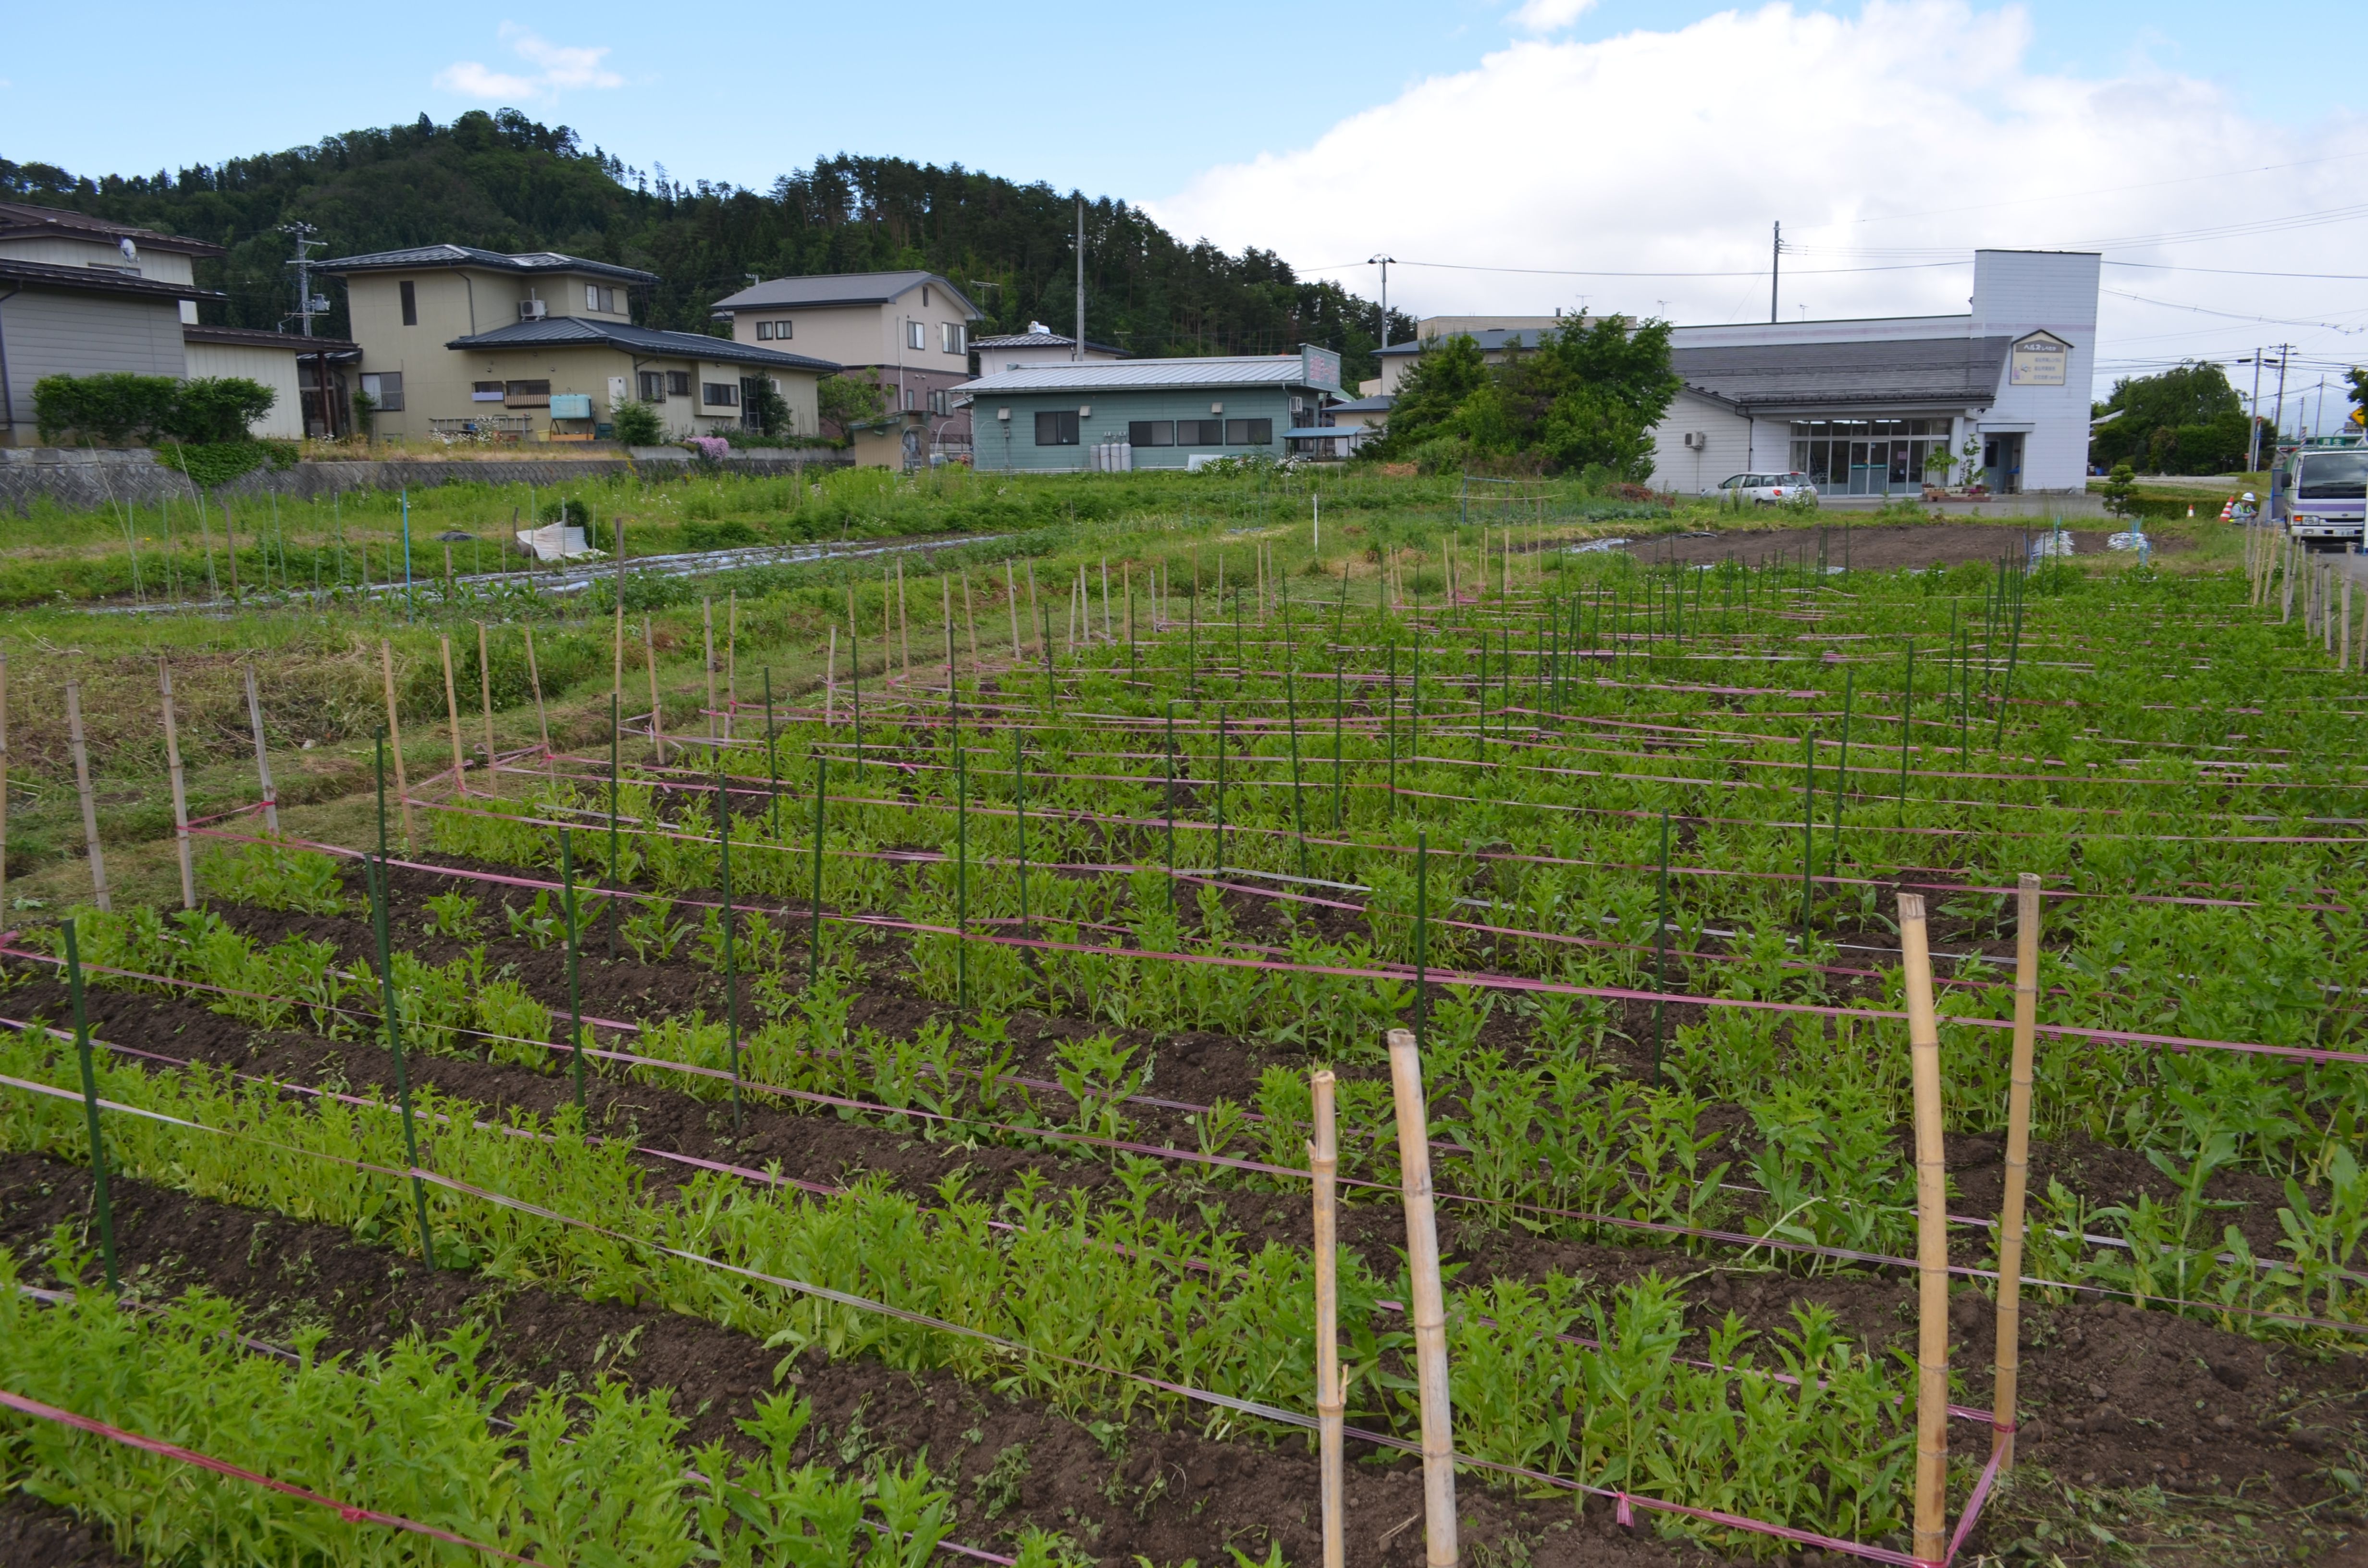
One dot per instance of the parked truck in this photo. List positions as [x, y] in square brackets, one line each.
[2318, 490]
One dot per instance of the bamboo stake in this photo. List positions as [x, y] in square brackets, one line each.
[2343, 639]
[89, 801]
[830, 680]
[1331, 1408]
[1106, 609]
[1430, 1303]
[658, 714]
[904, 623]
[395, 742]
[452, 718]
[970, 620]
[534, 679]
[262, 760]
[707, 630]
[485, 697]
[1011, 594]
[2018, 1162]
[1931, 1243]
[180, 790]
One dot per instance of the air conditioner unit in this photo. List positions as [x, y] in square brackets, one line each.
[532, 310]
[1696, 440]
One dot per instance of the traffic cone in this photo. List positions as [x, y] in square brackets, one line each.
[2190, 513]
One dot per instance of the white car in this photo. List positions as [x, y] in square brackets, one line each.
[1761, 488]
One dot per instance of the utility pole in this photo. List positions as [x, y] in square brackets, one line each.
[2253, 410]
[2278, 420]
[1775, 261]
[1077, 349]
[307, 307]
[1384, 262]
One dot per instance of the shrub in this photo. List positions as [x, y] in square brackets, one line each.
[118, 407]
[637, 424]
[217, 408]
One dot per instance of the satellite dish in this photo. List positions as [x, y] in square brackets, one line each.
[130, 252]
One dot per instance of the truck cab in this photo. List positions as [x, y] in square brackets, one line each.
[2319, 490]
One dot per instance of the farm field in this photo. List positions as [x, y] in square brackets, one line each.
[870, 1115]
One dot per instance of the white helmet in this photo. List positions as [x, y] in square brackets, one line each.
[2249, 495]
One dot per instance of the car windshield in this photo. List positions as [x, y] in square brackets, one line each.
[2334, 476]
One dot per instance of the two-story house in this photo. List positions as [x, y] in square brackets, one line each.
[460, 342]
[909, 332]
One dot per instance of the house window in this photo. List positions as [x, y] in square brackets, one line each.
[942, 401]
[951, 335]
[677, 384]
[925, 296]
[1152, 433]
[781, 332]
[917, 334]
[764, 332]
[912, 400]
[526, 394]
[652, 385]
[386, 388]
[1199, 432]
[1249, 432]
[719, 394]
[1057, 428]
[596, 298]
[410, 302]
[485, 392]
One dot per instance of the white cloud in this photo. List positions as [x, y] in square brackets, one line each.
[562, 66]
[1549, 15]
[1912, 129]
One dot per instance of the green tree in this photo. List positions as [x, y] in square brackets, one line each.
[848, 401]
[2186, 420]
[217, 408]
[770, 409]
[2121, 491]
[637, 424]
[1587, 395]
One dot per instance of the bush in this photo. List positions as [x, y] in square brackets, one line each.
[637, 424]
[117, 407]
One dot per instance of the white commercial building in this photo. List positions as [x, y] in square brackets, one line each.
[1863, 406]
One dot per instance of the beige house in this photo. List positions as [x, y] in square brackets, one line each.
[291, 366]
[907, 331]
[460, 344]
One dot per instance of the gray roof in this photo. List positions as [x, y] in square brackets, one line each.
[258, 337]
[836, 288]
[1145, 375]
[97, 280]
[533, 261]
[567, 332]
[1490, 341]
[1900, 372]
[1377, 405]
[19, 219]
[1038, 340]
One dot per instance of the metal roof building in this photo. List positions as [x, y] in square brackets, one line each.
[1146, 413]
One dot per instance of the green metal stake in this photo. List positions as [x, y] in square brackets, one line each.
[1808, 826]
[609, 879]
[575, 990]
[813, 933]
[1661, 949]
[2013, 654]
[1291, 709]
[379, 896]
[1174, 899]
[1221, 786]
[1907, 727]
[1842, 777]
[772, 762]
[1019, 814]
[855, 673]
[1421, 933]
[962, 829]
[1339, 705]
[731, 972]
[1391, 698]
[99, 1195]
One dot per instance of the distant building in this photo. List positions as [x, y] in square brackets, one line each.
[1039, 345]
[907, 331]
[295, 368]
[80, 296]
[459, 343]
[1875, 406]
[1370, 411]
[1132, 414]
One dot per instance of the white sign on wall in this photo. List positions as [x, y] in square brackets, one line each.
[2039, 360]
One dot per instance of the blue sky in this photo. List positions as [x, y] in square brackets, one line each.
[1562, 135]
[1126, 100]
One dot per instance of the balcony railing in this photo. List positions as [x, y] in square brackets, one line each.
[481, 428]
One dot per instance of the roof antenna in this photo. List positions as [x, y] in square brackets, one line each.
[1077, 349]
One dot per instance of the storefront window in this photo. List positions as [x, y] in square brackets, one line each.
[1867, 457]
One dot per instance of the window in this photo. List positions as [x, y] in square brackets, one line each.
[781, 332]
[527, 395]
[917, 334]
[596, 298]
[386, 387]
[410, 302]
[1249, 432]
[719, 394]
[1151, 433]
[912, 400]
[925, 296]
[942, 401]
[677, 384]
[950, 337]
[1871, 457]
[485, 392]
[652, 385]
[1199, 432]
[1057, 428]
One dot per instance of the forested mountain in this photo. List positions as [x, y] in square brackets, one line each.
[509, 182]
